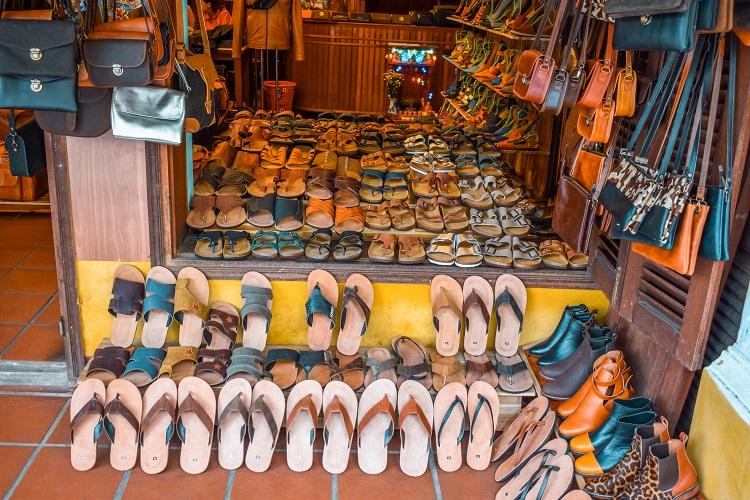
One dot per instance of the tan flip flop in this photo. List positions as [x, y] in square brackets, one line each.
[257, 297]
[480, 368]
[86, 410]
[513, 374]
[446, 296]
[415, 412]
[477, 306]
[233, 408]
[355, 313]
[157, 424]
[381, 364]
[320, 308]
[483, 411]
[510, 306]
[544, 477]
[339, 415]
[195, 423]
[266, 414]
[531, 438]
[122, 418]
[445, 370]
[413, 365]
[191, 305]
[515, 462]
[302, 409]
[450, 414]
[376, 421]
[158, 306]
[126, 304]
[534, 411]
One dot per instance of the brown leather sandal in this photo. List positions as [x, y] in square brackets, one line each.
[319, 213]
[382, 248]
[410, 250]
[320, 183]
[402, 216]
[378, 218]
[480, 368]
[445, 369]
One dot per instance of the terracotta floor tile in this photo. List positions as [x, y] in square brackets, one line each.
[41, 258]
[50, 315]
[51, 476]
[10, 256]
[175, 483]
[20, 236]
[26, 419]
[468, 483]
[38, 281]
[7, 333]
[356, 485]
[280, 483]
[38, 343]
[19, 308]
[14, 458]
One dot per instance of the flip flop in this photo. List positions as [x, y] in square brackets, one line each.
[483, 411]
[302, 409]
[450, 411]
[381, 364]
[126, 304]
[339, 414]
[413, 364]
[530, 439]
[86, 410]
[122, 417]
[376, 420]
[549, 478]
[320, 308]
[478, 296]
[233, 407]
[415, 412]
[513, 374]
[355, 313]
[158, 306]
[315, 365]
[446, 297]
[157, 425]
[257, 297]
[554, 448]
[535, 410]
[510, 306]
[281, 364]
[195, 423]
[191, 305]
[266, 414]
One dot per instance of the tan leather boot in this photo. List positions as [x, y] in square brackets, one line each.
[567, 408]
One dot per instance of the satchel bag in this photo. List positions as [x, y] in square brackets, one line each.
[587, 167]
[627, 88]
[654, 24]
[595, 124]
[151, 114]
[25, 147]
[92, 118]
[37, 61]
[599, 76]
[554, 100]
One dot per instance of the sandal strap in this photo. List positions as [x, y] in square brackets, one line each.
[335, 406]
[127, 298]
[255, 299]
[190, 405]
[147, 360]
[288, 207]
[456, 403]
[310, 359]
[317, 303]
[237, 407]
[353, 365]
[483, 401]
[444, 301]
[246, 360]
[325, 206]
[305, 404]
[260, 406]
[473, 300]
[159, 296]
[377, 367]
[162, 406]
[92, 406]
[203, 202]
[257, 204]
[382, 406]
[226, 324]
[282, 354]
[264, 239]
[412, 408]
[116, 407]
[351, 295]
[506, 298]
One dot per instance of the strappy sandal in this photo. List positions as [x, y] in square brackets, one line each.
[202, 213]
[319, 245]
[504, 195]
[530, 439]
[447, 187]
[474, 195]
[413, 364]
[212, 365]
[410, 250]
[236, 245]
[480, 368]
[467, 167]
[374, 161]
[445, 370]
[260, 210]
[300, 157]
[402, 216]
[315, 365]
[349, 369]
[395, 187]
[513, 221]
[425, 186]
[349, 167]
[381, 364]
[274, 155]
[281, 367]
[345, 192]
[371, 188]
[320, 213]
[209, 180]
[498, 252]
[553, 254]
[454, 215]
[209, 245]
[378, 218]
[544, 476]
[288, 214]
[264, 182]
[290, 245]
[468, 250]
[428, 215]
[320, 183]
[349, 246]
[525, 254]
[327, 160]
[349, 220]
[107, 363]
[265, 244]
[485, 223]
[382, 248]
[143, 366]
[440, 251]
[396, 163]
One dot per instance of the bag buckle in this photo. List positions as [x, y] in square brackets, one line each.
[36, 85]
[645, 20]
[117, 69]
[35, 54]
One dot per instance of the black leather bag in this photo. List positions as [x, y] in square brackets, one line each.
[422, 18]
[91, 120]
[25, 148]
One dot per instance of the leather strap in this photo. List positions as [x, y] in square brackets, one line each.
[254, 302]
[483, 401]
[161, 406]
[235, 406]
[337, 370]
[474, 301]
[318, 304]
[221, 322]
[715, 89]
[559, 21]
[336, 407]
[412, 408]
[127, 298]
[377, 367]
[351, 295]
[190, 405]
[382, 406]
[260, 406]
[305, 404]
[543, 25]
[456, 402]
[444, 301]
[507, 298]
[92, 406]
[116, 407]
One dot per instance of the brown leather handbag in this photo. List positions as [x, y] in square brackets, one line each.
[600, 75]
[577, 77]
[626, 88]
[587, 167]
[595, 124]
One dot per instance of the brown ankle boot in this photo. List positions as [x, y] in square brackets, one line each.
[567, 408]
[667, 474]
[629, 468]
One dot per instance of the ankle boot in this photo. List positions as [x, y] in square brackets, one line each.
[599, 462]
[594, 441]
[567, 408]
[568, 382]
[562, 326]
[629, 469]
[667, 474]
[581, 355]
[568, 344]
[609, 382]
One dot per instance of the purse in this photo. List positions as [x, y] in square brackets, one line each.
[37, 61]
[715, 16]
[626, 89]
[600, 75]
[92, 118]
[558, 89]
[587, 167]
[654, 24]
[153, 114]
[25, 147]
[595, 124]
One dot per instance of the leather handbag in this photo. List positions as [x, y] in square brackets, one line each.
[626, 88]
[423, 18]
[587, 167]
[596, 124]
[37, 61]
[401, 19]
[654, 24]
[573, 213]
[153, 114]
[24, 146]
[715, 16]
[600, 75]
[92, 118]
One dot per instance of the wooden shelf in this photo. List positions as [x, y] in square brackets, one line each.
[454, 104]
[502, 34]
[41, 206]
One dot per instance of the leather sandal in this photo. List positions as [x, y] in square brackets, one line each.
[382, 248]
[319, 245]
[450, 415]
[315, 365]
[498, 252]
[260, 210]
[402, 216]
[319, 213]
[107, 363]
[202, 214]
[454, 215]
[290, 245]
[371, 188]
[265, 244]
[143, 366]
[246, 363]
[381, 363]
[281, 367]
[345, 192]
[468, 250]
[428, 216]
[179, 363]
[440, 251]
[410, 250]
[553, 254]
[121, 421]
[576, 260]
[288, 214]
[236, 245]
[320, 183]
[413, 363]
[348, 369]
[292, 183]
[349, 246]
[209, 245]
[445, 370]
[377, 217]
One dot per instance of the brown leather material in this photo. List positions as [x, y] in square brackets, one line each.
[335, 406]
[600, 75]
[162, 405]
[568, 407]
[116, 407]
[306, 404]
[412, 408]
[92, 119]
[31, 15]
[573, 214]
[235, 406]
[190, 405]
[587, 168]
[595, 124]
[625, 95]
[260, 406]
[687, 475]
[384, 406]
[277, 28]
[93, 406]
[684, 254]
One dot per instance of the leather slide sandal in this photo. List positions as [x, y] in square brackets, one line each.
[477, 303]
[122, 417]
[126, 304]
[349, 370]
[209, 245]
[302, 408]
[143, 366]
[179, 363]
[376, 422]
[355, 313]
[195, 423]
[257, 297]
[413, 364]
[483, 411]
[534, 411]
[315, 365]
[202, 214]
[191, 305]
[260, 210]
[320, 308]
[446, 297]
[445, 369]
[381, 364]
[288, 214]
[263, 424]
[480, 368]
[86, 410]
[415, 416]
[246, 363]
[281, 365]
[107, 363]
[157, 425]
[220, 330]
[450, 415]
[233, 408]
[158, 306]
[339, 414]
[510, 306]
[212, 365]
[530, 439]
[236, 245]
[553, 254]
[513, 374]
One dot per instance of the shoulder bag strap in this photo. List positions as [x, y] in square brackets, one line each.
[726, 172]
[542, 24]
[715, 89]
[574, 34]
[556, 28]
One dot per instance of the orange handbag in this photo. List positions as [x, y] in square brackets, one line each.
[625, 95]
[595, 124]
[587, 167]
[600, 75]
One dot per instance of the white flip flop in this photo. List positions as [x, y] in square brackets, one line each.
[339, 414]
[233, 407]
[302, 409]
[415, 414]
[266, 414]
[375, 425]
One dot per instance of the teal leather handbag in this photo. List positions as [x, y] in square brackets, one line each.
[654, 24]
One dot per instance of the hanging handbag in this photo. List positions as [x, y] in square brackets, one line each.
[654, 24]
[577, 77]
[626, 89]
[715, 16]
[558, 89]
[92, 118]
[38, 57]
[587, 167]
[151, 114]
[599, 76]
[595, 124]
[24, 146]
